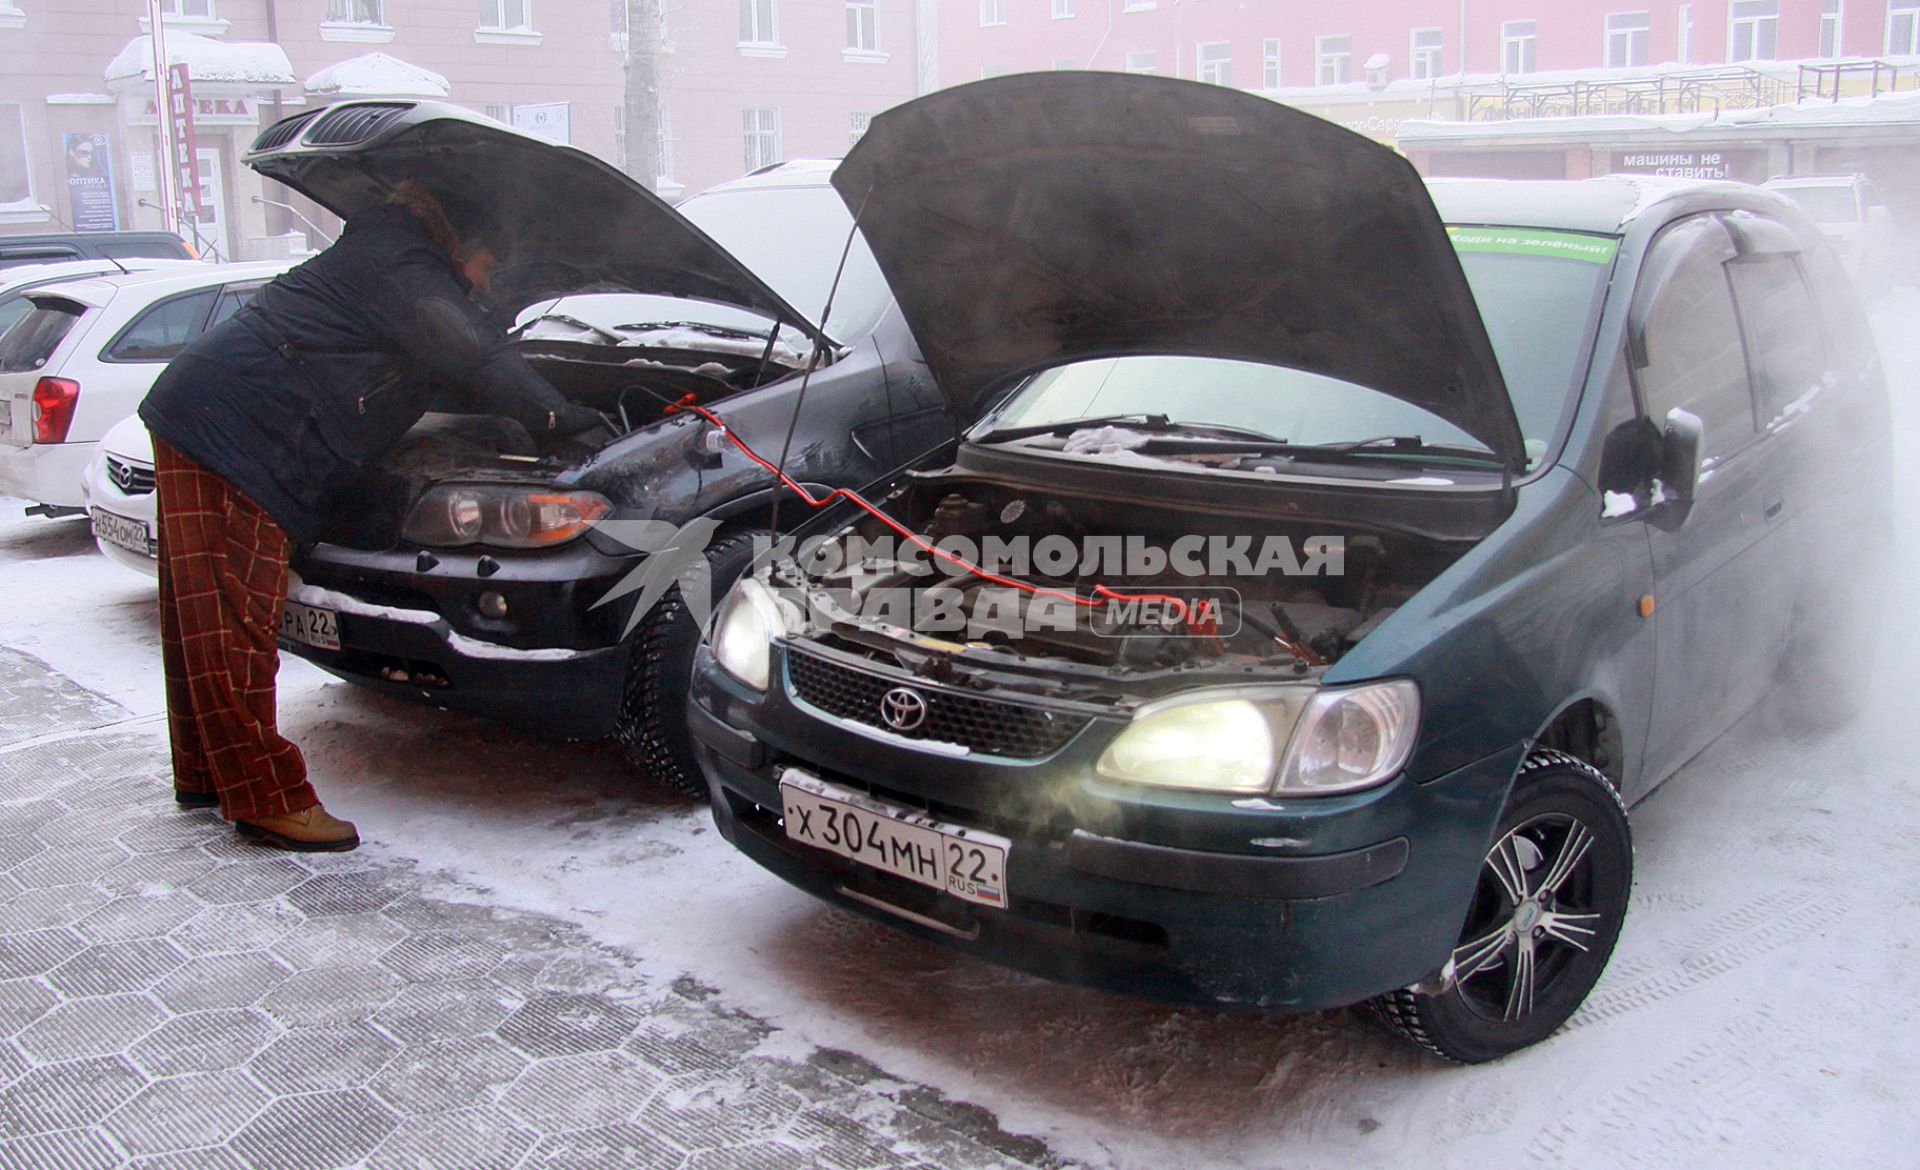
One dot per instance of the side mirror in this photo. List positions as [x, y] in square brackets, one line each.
[1631, 457]
[1679, 466]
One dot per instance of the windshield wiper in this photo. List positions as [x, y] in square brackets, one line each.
[1140, 421]
[1398, 445]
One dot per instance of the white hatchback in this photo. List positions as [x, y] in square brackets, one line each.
[76, 357]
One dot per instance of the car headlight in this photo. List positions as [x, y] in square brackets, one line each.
[1283, 741]
[501, 516]
[744, 631]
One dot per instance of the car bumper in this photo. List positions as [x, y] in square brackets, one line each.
[46, 473]
[134, 510]
[1295, 905]
[554, 665]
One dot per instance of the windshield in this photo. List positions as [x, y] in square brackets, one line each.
[792, 238]
[1537, 292]
[1823, 204]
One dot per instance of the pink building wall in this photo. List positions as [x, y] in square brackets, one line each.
[1570, 34]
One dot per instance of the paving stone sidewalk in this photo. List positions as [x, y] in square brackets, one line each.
[171, 997]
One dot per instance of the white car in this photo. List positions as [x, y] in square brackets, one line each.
[1850, 213]
[118, 488]
[79, 355]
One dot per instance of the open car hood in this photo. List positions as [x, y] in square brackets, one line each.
[576, 223]
[1039, 219]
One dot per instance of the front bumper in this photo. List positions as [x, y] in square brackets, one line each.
[1295, 905]
[410, 626]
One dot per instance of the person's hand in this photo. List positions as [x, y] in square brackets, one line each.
[572, 420]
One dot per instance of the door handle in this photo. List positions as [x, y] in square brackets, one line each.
[1773, 508]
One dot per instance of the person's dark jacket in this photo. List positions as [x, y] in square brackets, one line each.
[294, 397]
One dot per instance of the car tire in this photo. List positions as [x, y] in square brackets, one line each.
[1532, 959]
[652, 725]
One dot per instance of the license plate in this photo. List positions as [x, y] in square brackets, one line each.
[311, 625]
[966, 863]
[133, 535]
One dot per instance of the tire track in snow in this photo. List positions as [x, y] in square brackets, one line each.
[1760, 926]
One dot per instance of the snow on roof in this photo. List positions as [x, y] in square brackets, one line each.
[256, 62]
[1888, 109]
[377, 75]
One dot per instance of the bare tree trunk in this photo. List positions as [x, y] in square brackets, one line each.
[642, 138]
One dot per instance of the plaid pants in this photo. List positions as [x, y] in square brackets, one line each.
[223, 581]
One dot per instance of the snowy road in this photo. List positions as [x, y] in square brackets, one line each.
[1760, 1011]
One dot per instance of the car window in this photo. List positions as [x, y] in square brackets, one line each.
[30, 340]
[161, 249]
[1789, 347]
[792, 238]
[1691, 352]
[40, 254]
[1824, 204]
[12, 309]
[160, 333]
[231, 299]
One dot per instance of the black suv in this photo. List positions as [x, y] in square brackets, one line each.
[500, 578]
[51, 248]
[1333, 561]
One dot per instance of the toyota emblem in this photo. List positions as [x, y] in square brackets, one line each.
[903, 708]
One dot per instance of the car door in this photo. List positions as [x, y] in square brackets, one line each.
[1720, 592]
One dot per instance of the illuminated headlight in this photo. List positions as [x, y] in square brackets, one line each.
[1283, 741]
[501, 516]
[744, 631]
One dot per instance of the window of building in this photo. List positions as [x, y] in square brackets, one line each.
[1753, 28]
[1516, 46]
[1062, 64]
[1143, 61]
[499, 112]
[1423, 53]
[857, 127]
[1140, 5]
[1627, 34]
[987, 71]
[1333, 60]
[759, 22]
[1270, 63]
[863, 25]
[354, 11]
[506, 15]
[1903, 27]
[199, 8]
[1062, 9]
[762, 135]
[993, 12]
[1213, 62]
[1684, 46]
[1830, 27]
[16, 185]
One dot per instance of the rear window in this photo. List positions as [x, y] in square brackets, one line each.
[28, 342]
[48, 254]
[160, 333]
[1824, 204]
[160, 249]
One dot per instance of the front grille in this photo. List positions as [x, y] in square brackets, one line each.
[989, 726]
[282, 132]
[131, 478]
[344, 127]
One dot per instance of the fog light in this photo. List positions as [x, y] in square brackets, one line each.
[493, 605]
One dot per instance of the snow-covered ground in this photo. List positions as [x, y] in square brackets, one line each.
[1760, 1010]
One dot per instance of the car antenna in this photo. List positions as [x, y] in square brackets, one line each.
[813, 360]
[76, 231]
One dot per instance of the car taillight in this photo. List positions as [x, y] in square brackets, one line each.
[53, 403]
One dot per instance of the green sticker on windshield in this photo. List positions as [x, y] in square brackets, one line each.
[1534, 242]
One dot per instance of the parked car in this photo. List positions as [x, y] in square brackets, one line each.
[24, 276]
[1851, 214]
[627, 305]
[1491, 506]
[81, 354]
[118, 488]
[50, 247]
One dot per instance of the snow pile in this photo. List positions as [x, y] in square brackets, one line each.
[376, 75]
[249, 62]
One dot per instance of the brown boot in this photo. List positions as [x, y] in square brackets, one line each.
[311, 830]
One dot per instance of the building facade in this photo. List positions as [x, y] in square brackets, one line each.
[742, 84]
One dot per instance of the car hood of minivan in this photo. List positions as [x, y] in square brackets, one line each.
[575, 223]
[1034, 220]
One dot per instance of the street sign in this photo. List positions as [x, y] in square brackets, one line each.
[186, 183]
